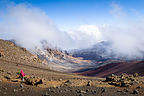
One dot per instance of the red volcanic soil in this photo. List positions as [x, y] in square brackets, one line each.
[116, 68]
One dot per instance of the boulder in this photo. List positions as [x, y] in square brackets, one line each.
[33, 81]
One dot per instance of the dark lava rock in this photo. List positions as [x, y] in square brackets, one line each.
[58, 87]
[135, 74]
[139, 87]
[7, 77]
[9, 73]
[52, 91]
[5, 88]
[103, 90]
[67, 81]
[119, 90]
[94, 91]
[14, 80]
[39, 82]
[21, 85]
[87, 90]
[60, 91]
[81, 95]
[89, 83]
[135, 91]
[65, 90]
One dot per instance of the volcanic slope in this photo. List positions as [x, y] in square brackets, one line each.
[41, 81]
[119, 67]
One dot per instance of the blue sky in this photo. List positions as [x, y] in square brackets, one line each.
[69, 14]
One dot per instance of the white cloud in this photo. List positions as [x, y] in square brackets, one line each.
[86, 35]
[127, 39]
[29, 25]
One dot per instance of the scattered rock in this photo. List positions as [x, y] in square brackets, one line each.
[52, 91]
[87, 90]
[60, 91]
[83, 91]
[60, 79]
[125, 83]
[24, 49]
[135, 74]
[23, 90]
[81, 95]
[15, 90]
[94, 91]
[123, 92]
[68, 81]
[135, 91]
[14, 80]
[119, 90]
[46, 94]
[33, 81]
[89, 83]
[103, 90]
[7, 77]
[126, 90]
[9, 73]
[123, 80]
[1, 70]
[21, 85]
[78, 91]
[139, 87]
[5, 88]
[57, 87]
[39, 82]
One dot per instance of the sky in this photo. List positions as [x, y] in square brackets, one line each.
[75, 24]
[70, 14]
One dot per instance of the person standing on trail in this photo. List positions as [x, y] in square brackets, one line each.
[22, 75]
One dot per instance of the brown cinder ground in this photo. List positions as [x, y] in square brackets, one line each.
[41, 81]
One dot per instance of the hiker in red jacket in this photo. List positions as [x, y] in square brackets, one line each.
[22, 75]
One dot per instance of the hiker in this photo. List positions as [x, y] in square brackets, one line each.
[22, 74]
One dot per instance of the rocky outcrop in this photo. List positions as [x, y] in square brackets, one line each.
[33, 81]
[123, 80]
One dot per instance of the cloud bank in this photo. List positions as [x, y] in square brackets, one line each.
[29, 26]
